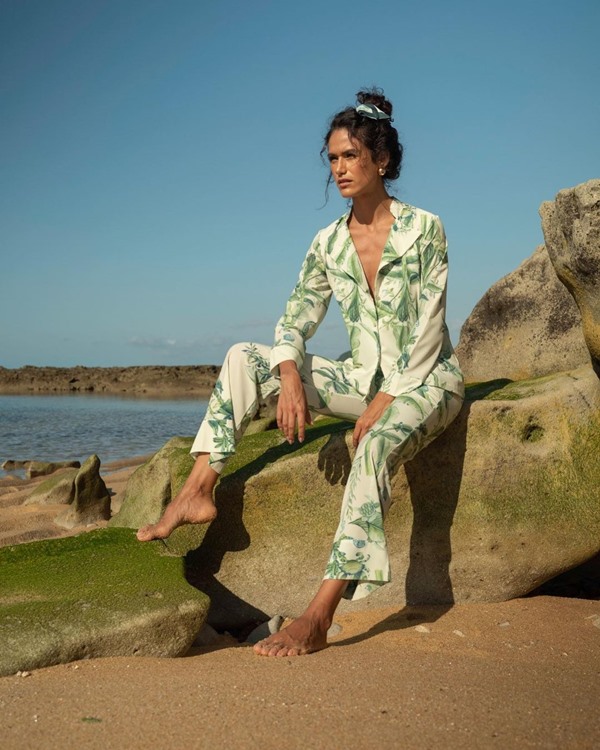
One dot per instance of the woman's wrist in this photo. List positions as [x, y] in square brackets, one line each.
[287, 367]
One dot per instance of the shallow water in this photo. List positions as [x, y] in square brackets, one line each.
[72, 427]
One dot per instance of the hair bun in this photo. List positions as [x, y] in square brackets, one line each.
[375, 96]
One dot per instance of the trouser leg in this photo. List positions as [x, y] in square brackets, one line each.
[413, 420]
[245, 380]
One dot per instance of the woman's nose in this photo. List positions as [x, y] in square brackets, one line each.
[340, 166]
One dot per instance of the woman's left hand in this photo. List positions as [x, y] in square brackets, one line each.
[371, 414]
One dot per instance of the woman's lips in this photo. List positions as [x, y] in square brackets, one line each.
[343, 183]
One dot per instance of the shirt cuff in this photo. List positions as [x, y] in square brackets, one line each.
[282, 353]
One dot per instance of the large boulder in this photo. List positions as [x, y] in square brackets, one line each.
[524, 326]
[91, 501]
[571, 225]
[98, 594]
[505, 499]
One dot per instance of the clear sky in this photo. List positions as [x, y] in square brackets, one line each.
[159, 159]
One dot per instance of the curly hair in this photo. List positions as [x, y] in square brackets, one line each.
[380, 137]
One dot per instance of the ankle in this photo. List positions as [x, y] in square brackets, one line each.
[319, 616]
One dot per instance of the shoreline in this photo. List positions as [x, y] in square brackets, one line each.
[147, 381]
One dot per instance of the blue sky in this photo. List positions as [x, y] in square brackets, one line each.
[160, 169]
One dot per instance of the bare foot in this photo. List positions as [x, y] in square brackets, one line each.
[303, 636]
[188, 507]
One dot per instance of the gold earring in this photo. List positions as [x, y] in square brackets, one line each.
[381, 171]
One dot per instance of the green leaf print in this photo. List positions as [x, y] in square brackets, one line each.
[353, 310]
[373, 529]
[352, 567]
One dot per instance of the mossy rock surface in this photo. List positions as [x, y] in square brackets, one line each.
[98, 594]
[504, 500]
[57, 489]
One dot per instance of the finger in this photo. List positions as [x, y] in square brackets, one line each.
[290, 426]
[301, 423]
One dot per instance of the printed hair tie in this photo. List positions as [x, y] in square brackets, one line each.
[372, 112]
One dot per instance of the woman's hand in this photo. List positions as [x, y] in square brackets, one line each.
[292, 407]
[371, 414]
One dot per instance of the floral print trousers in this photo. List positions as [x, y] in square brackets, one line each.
[412, 420]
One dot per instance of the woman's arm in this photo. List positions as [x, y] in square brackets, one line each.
[304, 311]
[292, 406]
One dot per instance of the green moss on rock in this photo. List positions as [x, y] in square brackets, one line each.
[98, 594]
[59, 488]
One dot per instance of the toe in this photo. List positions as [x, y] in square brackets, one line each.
[144, 533]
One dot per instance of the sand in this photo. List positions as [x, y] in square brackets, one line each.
[523, 673]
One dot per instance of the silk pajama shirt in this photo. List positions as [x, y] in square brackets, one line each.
[399, 345]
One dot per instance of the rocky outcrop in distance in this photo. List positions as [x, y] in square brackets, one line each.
[571, 225]
[38, 468]
[155, 381]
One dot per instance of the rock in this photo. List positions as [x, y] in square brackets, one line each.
[43, 468]
[505, 499]
[97, 594]
[11, 465]
[58, 489]
[265, 629]
[266, 417]
[206, 637]
[153, 485]
[192, 380]
[91, 501]
[524, 326]
[571, 225]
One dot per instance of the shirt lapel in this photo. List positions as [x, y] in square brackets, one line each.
[405, 231]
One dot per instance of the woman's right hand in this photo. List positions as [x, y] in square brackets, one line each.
[292, 406]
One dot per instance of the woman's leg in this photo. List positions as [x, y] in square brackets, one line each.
[359, 560]
[243, 382]
[308, 632]
[193, 504]
[359, 554]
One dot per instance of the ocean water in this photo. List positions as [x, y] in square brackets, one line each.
[72, 427]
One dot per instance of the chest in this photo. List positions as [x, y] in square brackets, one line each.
[369, 245]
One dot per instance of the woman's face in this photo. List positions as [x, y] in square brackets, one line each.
[352, 166]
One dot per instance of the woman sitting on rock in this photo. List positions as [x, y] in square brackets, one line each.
[386, 264]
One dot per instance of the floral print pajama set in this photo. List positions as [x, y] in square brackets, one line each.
[400, 345]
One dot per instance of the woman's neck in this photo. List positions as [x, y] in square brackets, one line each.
[368, 209]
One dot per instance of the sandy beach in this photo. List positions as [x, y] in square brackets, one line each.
[523, 673]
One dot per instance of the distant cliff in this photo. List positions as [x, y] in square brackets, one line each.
[186, 380]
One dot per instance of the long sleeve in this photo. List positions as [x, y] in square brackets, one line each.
[421, 350]
[304, 311]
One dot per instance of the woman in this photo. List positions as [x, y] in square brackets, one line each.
[386, 264]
